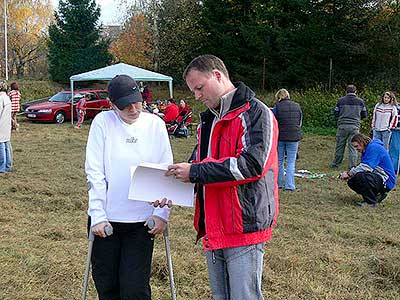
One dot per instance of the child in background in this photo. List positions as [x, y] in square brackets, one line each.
[384, 118]
[15, 97]
[81, 110]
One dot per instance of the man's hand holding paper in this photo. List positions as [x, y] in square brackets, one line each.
[179, 171]
[152, 181]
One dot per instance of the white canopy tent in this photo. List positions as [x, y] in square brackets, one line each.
[108, 73]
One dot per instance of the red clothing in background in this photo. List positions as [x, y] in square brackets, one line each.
[15, 97]
[81, 104]
[171, 112]
[183, 111]
[146, 94]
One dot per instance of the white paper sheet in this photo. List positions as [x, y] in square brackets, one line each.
[149, 184]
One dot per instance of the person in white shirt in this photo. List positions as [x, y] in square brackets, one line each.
[5, 129]
[384, 118]
[119, 139]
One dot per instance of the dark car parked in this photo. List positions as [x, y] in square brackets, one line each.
[58, 108]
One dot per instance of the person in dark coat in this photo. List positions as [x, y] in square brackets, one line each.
[349, 111]
[289, 116]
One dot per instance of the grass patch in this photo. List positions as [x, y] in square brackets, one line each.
[324, 247]
[319, 130]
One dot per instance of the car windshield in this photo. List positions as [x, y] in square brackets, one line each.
[60, 97]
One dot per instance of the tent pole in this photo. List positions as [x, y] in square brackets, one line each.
[170, 89]
[72, 102]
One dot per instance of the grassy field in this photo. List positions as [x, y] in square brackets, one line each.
[324, 247]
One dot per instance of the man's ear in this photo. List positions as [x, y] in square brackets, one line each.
[217, 75]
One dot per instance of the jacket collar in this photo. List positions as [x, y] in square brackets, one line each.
[243, 94]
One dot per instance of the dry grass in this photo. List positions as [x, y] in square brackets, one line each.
[324, 247]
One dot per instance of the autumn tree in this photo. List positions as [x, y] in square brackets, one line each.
[28, 21]
[172, 33]
[75, 43]
[133, 45]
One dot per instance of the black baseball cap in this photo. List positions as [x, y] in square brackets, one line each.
[123, 90]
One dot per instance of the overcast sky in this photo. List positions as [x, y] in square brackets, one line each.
[109, 11]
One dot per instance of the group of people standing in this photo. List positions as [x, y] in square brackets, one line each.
[9, 108]
[237, 167]
[374, 177]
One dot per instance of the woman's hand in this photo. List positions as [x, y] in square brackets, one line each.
[159, 225]
[162, 203]
[99, 229]
[344, 175]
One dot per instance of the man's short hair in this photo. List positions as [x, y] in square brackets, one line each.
[351, 88]
[206, 64]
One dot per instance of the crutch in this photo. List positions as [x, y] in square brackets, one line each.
[150, 225]
[108, 231]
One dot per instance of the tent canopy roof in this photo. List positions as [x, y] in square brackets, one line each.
[108, 73]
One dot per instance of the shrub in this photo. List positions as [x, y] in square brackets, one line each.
[318, 106]
[36, 89]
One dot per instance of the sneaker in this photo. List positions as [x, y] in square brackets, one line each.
[366, 204]
[333, 166]
[382, 196]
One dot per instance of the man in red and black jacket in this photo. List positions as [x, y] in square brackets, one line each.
[235, 170]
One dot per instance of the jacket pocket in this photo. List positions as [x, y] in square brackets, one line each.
[229, 211]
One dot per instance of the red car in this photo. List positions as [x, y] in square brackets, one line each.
[58, 108]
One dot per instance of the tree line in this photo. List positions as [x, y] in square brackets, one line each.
[267, 43]
[274, 43]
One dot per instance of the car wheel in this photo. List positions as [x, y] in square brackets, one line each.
[59, 117]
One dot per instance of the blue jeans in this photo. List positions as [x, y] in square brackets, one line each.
[5, 157]
[290, 150]
[394, 150]
[235, 273]
[384, 136]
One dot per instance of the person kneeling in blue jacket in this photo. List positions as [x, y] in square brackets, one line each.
[374, 177]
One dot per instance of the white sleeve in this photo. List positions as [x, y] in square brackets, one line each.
[95, 172]
[374, 116]
[165, 158]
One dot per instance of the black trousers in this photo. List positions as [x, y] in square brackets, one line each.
[368, 185]
[121, 263]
